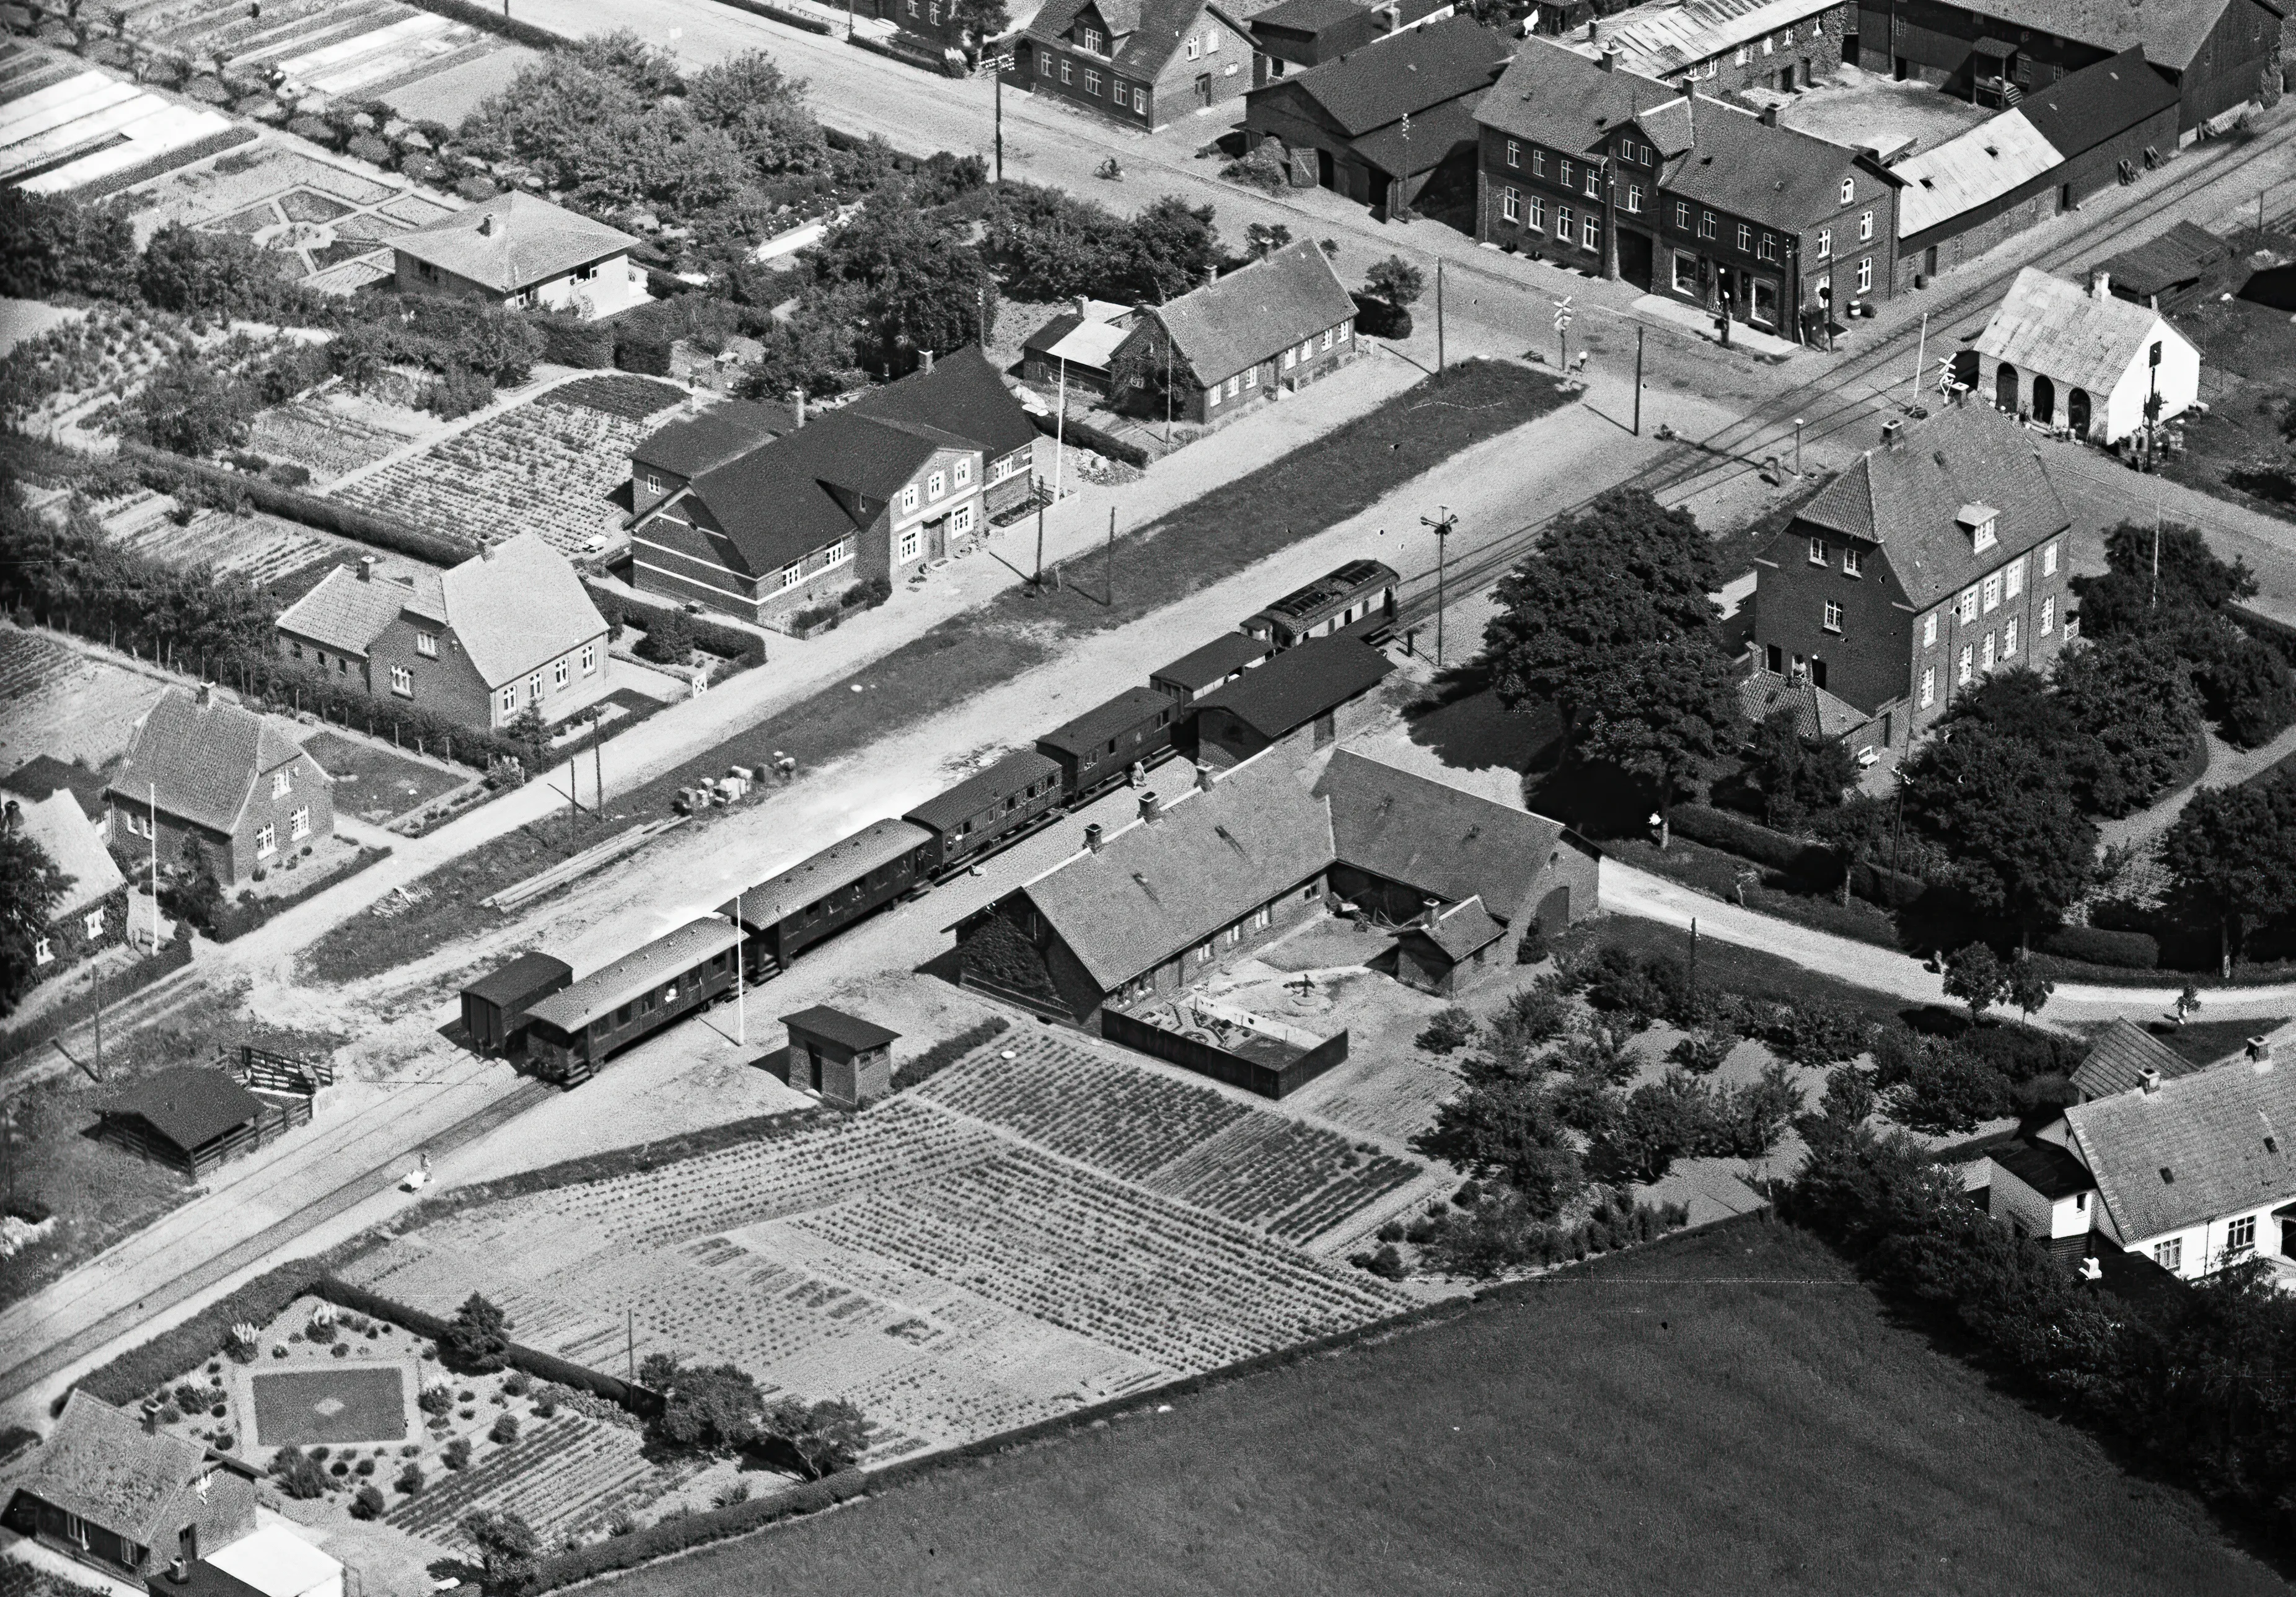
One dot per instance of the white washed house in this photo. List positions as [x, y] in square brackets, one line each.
[2081, 358]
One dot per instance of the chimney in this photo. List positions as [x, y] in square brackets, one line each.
[367, 568]
[1609, 60]
[1770, 116]
[205, 697]
[1593, 29]
[2100, 284]
[926, 356]
[179, 1571]
[2260, 1048]
[692, 403]
[2148, 1080]
[486, 225]
[1892, 431]
[1431, 911]
[1152, 808]
[1206, 778]
[1082, 306]
[1092, 838]
[797, 404]
[150, 1419]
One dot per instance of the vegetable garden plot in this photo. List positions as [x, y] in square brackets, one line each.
[322, 441]
[302, 205]
[262, 548]
[1284, 1176]
[621, 394]
[568, 1475]
[29, 662]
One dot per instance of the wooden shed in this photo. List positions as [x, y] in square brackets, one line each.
[193, 1118]
[844, 1058]
[495, 1006]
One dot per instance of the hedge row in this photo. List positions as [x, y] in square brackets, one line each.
[496, 20]
[1092, 437]
[760, 8]
[238, 919]
[565, 342]
[2277, 635]
[359, 526]
[713, 637]
[545, 1366]
[215, 144]
[948, 1051]
[1814, 865]
[908, 54]
[277, 686]
[2096, 945]
[60, 1018]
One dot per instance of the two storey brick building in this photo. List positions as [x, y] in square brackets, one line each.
[1602, 169]
[1143, 63]
[1276, 325]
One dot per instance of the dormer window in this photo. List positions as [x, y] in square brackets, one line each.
[1848, 190]
[1981, 523]
[1089, 38]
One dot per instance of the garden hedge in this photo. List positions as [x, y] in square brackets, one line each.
[2277, 635]
[361, 527]
[712, 637]
[948, 1051]
[894, 50]
[2096, 945]
[1092, 437]
[238, 919]
[534, 1361]
[492, 20]
[566, 342]
[1810, 864]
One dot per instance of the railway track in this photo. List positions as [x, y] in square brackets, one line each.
[1844, 396]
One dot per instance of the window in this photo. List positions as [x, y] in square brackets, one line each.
[1707, 222]
[2009, 637]
[402, 681]
[589, 658]
[1682, 213]
[1634, 197]
[1191, 47]
[1067, 74]
[92, 923]
[1537, 217]
[1089, 37]
[1833, 616]
[1290, 359]
[1092, 81]
[298, 824]
[1968, 606]
[1590, 231]
[1848, 190]
[1044, 65]
[1866, 225]
[1989, 652]
[936, 485]
[963, 476]
[961, 521]
[1235, 387]
[1563, 173]
[2169, 1255]
[1327, 338]
[2240, 1236]
[557, 669]
[2049, 560]
[1204, 953]
[1993, 593]
[1849, 560]
[509, 701]
[1594, 183]
[1566, 222]
[1685, 273]
[908, 498]
[1966, 666]
[1234, 934]
[281, 781]
[1745, 54]
[1929, 686]
[1929, 630]
[1212, 394]
[533, 686]
[1538, 163]
[1817, 556]
[1866, 275]
[266, 841]
[1745, 236]
[909, 544]
[1514, 152]
[1140, 100]
[2048, 616]
[1511, 204]
[1260, 917]
[1825, 243]
[2016, 575]
[933, 13]
[1789, 38]
[426, 645]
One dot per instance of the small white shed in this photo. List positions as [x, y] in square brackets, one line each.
[2075, 357]
[276, 1562]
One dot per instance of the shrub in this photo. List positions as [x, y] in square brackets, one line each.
[669, 640]
[365, 1466]
[1819, 1032]
[1386, 1264]
[340, 1470]
[2122, 950]
[1448, 1032]
[457, 1453]
[1392, 1232]
[1255, 171]
[867, 594]
[435, 1400]
[545, 1406]
[368, 1504]
[505, 1429]
[728, 1496]
[948, 1051]
[518, 1383]
[410, 1480]
[1949, 1090]
[320, 1454]
[341, 1350]
[815, 615]
[298, 1474]
[476, 1338]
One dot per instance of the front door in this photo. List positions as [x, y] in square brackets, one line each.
[1203, 88]
[1636, 253]
[813, 1067]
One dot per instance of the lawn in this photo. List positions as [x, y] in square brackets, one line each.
[353, 1404]
[1749, 972]
[1726, 1412]
[2206, 1041]
[376, 784]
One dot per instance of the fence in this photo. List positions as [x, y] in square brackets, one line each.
[265, 1071]
[1206, 1058]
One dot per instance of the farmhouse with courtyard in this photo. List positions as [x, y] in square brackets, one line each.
[92, 915]
[1240, 859]
[519, 250]
[1930, 563]
[2084, 360]
[203, 771]
[510, 630]
[1278, 324]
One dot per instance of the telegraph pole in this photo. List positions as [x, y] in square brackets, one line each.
[1563, 334]
[1439, 319]
[1639, 331]
[1442, 522]
[1921, 360]
[1110, 570]
[740, 985]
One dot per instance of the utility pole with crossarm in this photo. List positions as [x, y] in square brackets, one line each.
[1442, 523]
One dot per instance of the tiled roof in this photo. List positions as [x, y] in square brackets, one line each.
[347, 613]
[1428, 140]
[786, 499]
[2120, 1057]
[1016, 773]
[570, 1009]
[2209, 1144]
[1146, 33]
[1156, 888]
[99, 1463]
[1971, 170]
[1215, 662]
[1554, 97]
[1410, 74]
[1906, 499]
[1766, 174]
[189, 1105]
[70, 840]
[2069, 335]
[691, 444]
[1255, 313]
[1461, 930]
[1665, 37]
[2181, 255]
[203, 758]
[44, 774]
[1309, 16]
[1302, 683]
[838, 1027]
[512, 242]
[2171, 35]
[962, 399]
[2085, 109]
[779, 896]
[1817, 714]
[1425, 834]
[517, 607]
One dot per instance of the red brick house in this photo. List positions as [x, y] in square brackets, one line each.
[1143, 63]
[1308, 33]
[1281, 322]
[127, 1503]
[202, 770]
[93, 913]
[509, 630]
[1930, 562]
[905, 475]
[674, 453]
[1682, 195]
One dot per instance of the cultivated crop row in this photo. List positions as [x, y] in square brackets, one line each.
[563, 1477]
[1282, 1176]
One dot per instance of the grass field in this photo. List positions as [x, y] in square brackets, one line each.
[375, 784]
[1724, 1413]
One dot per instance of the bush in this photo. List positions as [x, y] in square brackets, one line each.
[505, 1429]
[1948, 1091]
[368, 1504]
[457, 1453]
[365, 1466]
[298, 1474]
[435, 1400]
[1386, 1264]
[1448, 1032]
[1819, 1032]
[1256, 171]
[669, 640]
[410, 1480]
[2122, 950]
[948, 1051]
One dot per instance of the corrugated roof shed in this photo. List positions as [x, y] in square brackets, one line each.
[2178, 257]
[1668, 36]
[2207, 1145]
[2070, 336]
[570, 1009]
[1254, 313]
[514, 241]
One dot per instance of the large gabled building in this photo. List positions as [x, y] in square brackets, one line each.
[1274, 326]
[204, 773]
[1143, 63]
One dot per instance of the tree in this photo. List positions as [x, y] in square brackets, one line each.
[51, 245]
[922, 286]
[2018, 845]
[31, 885]
[1395, 283]
[2232, 856]
[983, 20]
[2130, 720]
[506, 1546]
[195, 897]
[2027, 988]
[711, 1408]
[476, 1338]
[192, 407]
[1796, 775]
[220, 275]
[1664, 713]
[1975, 975]
[1510, 1129]
[748, 99]
[1659, 1122]
[499, 343]
[649, 73]
[1173, 246]
[1264, 239]
[827, 1437]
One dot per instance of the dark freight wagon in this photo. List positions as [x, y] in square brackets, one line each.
[835, 888]
[1100, 746]
[495, 1006]
[983, 808]
[569, 1034]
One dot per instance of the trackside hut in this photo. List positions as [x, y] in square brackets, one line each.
[1311, 695]
[2083, 359]
[1283, 322]
[1375, 125]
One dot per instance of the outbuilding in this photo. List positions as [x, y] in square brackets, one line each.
[844, 1058]
[194, 1118]
[1319, 693]
[2083, 360]
[1214, 665]
[1447, 947]
[495, 1006]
